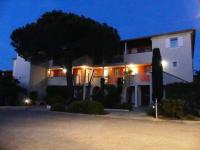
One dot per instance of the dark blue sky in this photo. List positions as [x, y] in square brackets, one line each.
[132, 18]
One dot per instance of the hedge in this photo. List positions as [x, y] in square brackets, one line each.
[86, 107]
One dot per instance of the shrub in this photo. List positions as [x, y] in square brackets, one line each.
[190, 92]
[58, 107]
[86, 107]
[172, 108]
[51, 100]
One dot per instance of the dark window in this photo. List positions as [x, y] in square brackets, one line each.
[174, 64]
[173, 42]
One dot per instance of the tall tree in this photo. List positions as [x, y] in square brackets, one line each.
[65, 37]
[157, 75]
[9, 90]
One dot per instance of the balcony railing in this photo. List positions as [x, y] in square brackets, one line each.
[132, 80]
[139, 58]
[61, 81]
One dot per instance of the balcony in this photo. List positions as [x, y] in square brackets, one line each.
[139, 58]
[132, 80]
[57, 81]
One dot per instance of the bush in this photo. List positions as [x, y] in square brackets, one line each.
[58, 107]
[109, 98]
[86, 107]
[51, 100]
[190, 92]
[172, 108]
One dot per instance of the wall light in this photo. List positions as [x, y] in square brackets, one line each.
[133, 68]
[27, 101]
[164, 63]
[105, 73]
[84, 67]
[64, 70]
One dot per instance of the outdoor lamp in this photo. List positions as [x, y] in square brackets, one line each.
[27, 101]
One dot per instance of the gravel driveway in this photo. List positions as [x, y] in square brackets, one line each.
[42, 130]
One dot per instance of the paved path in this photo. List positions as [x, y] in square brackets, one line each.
[24, 129]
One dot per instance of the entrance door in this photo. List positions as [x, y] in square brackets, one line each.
[145, 95]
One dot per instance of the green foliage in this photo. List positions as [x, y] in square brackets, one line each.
[9, 91]
[51, 100]
[173, 108]
[57, 34]
[189, 92]
[110, 97]
[58, 107]
[65, 37]
[157, 75]
[86, 107]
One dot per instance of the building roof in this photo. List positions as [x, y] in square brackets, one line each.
[166, 33]
[155, 35]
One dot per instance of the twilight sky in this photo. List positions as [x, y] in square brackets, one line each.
[132, 18]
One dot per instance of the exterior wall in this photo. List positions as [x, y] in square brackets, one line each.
[54, 81]
[21, 71]
[38, 79]
[182, 54]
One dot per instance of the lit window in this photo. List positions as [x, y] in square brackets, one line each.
[174, 64]
[174, 42]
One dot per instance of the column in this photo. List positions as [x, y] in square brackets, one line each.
[150, 90]
[125, 49]
[136, 95]
[84, 91]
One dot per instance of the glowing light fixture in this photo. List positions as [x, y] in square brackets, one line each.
[164, 63]
[48, 72]
[64, 70]
[133, 68]
[27, 101]
[105, 73]
[84, 67]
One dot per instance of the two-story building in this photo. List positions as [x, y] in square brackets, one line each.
[134, 67]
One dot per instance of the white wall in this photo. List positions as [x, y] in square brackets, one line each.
[182, 54]
[138, 58]
[38, 79]
[21, 71]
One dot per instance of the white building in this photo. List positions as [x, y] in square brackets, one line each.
[177, 51]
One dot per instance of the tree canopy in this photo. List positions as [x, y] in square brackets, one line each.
[57, 35]
[65, 37]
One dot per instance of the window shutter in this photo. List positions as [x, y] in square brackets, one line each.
[167, 43]
[180, 41]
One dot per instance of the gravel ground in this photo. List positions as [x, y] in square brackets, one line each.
[41, 130]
